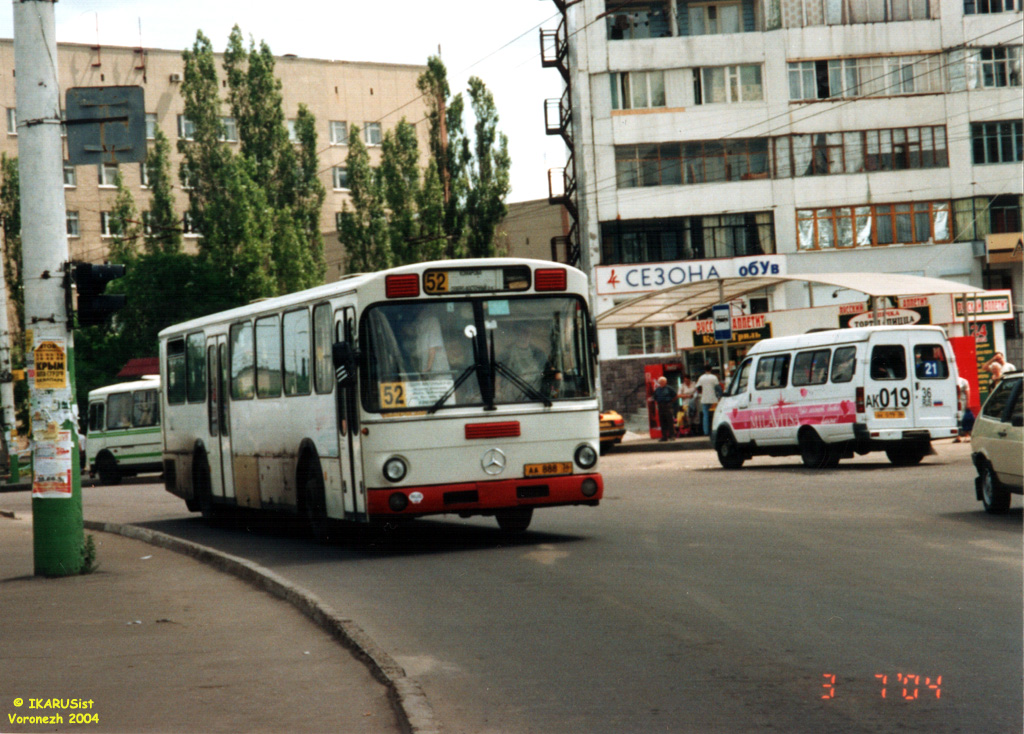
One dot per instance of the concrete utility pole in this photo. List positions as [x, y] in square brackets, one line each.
[57, 526]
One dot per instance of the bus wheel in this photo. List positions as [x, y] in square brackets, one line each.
[106, 467]
[201, 486]
[313, 505]
[514, 521]
[730, 456]
[815, 453]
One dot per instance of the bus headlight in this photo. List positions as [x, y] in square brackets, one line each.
[586, 456]
[395, 469]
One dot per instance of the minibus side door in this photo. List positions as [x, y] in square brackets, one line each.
[934, 383]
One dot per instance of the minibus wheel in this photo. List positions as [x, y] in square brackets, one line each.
[815, 453]
[905, 455]
[730, 456]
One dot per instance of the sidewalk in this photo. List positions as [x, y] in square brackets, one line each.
[157, 641]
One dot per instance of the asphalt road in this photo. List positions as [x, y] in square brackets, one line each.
[863, 599]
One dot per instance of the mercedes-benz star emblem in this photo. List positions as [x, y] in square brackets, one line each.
[493, 462]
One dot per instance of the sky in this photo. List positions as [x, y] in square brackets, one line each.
[496, 41]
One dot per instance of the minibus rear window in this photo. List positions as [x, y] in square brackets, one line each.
[888, 362]
[930, 362]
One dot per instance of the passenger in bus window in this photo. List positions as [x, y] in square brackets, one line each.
[524, 358]
[430, 344]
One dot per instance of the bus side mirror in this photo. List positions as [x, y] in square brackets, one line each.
[344, 358]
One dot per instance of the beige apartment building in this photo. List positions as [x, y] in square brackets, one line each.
[373, 96]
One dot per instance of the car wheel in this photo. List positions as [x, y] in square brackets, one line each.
[730, 455]
[995, 499]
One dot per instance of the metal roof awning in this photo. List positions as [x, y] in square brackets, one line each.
[682, 302]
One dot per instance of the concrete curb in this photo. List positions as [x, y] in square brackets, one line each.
[410, 702]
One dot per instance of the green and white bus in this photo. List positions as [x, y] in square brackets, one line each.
[123, 436]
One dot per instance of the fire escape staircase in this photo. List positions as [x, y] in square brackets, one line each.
[554, 53]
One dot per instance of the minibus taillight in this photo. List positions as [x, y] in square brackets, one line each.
[402, 286]
[549, 279]
[860, 400]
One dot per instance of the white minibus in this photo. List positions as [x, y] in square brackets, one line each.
[123, 436]
[829, 394]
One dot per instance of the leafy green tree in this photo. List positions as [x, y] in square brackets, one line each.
[400, 185]
[449, 148]
[363, 228]
[125, 228]
[489, 174]
[10, 222]
[164, 233]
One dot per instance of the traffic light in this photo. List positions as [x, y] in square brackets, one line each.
[95, 308]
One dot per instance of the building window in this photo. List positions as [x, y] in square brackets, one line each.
[687, 238]
[372, 133]
[293, 135]
[870, 76]
[859, 151]
[72, 224]
[727, 84]
[998, 66]
[12, 121]
[879, 224]
[805, 13]
[229, 130]
[637, 90]
[339, 174]
[147, 222]
[691, 163]
[972, 7]
[980, 216]
[634, 19]
[186, 129]
[708, 18]
[339, 132]
[186, 177]
[996, 142]
[644, 340]
[338, 219]
[150, 125]
[108, 174]
[106, 222]
[143, 176]
[70, 177]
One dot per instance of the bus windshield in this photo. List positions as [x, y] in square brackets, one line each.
[461, 353]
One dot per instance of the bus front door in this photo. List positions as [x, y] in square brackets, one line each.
[219, 448]
[353, 487]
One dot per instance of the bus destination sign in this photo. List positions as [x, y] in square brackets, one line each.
[476, 280]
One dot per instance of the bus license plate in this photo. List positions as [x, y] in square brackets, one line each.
[890, 414]
[548, 470]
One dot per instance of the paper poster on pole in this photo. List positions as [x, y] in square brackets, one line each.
[51, 363]
[52, 465]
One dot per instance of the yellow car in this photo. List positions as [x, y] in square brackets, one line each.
[613, 428]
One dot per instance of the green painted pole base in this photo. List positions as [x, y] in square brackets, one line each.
[58, 533]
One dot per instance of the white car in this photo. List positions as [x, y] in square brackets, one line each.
[996, 445]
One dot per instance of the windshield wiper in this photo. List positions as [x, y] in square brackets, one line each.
[451, 391]
[498, 368]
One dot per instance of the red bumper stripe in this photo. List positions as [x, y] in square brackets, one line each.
[486, 496]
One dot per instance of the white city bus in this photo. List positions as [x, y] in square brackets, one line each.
[123, 426]
[463, 386]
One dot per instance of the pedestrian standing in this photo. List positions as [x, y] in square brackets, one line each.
[963, 394]
[708, 387]
[665, 399]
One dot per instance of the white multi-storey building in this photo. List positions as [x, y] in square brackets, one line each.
[835, 135]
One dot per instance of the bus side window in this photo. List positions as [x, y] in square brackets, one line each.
[844, 365]
[119, 410]
[96, 417]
